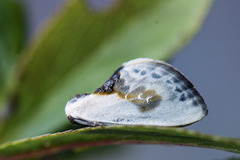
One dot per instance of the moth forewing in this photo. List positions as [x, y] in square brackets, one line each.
[141, 92]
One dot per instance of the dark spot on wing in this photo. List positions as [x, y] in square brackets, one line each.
[190, 95]
[188, 84]
[178, 90]
[175, 80]
[184, 87]
[143, 72]
[119, 120]
[200, 100]
[164, 73]
[183, 97]
[168, 81]
[195, 102]
[136, 70]
[150, 68]
[195, 92]
[81, 95]
[155, 76]
[180, 77]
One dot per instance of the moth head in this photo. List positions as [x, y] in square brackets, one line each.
[72, 105]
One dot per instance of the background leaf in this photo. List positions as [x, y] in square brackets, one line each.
[49, 144]
[79, 49]
[12, 35]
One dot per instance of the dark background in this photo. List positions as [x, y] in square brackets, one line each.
[210, 61]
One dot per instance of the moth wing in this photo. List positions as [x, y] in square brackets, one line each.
[144, 92]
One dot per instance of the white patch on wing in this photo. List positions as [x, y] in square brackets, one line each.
[142, 92]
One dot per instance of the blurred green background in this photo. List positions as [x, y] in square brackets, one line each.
[77, 46]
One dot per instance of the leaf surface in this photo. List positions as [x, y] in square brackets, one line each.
[89, 137]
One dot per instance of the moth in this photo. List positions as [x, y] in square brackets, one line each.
[142, 91]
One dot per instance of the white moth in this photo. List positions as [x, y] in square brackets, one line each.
[142, 91]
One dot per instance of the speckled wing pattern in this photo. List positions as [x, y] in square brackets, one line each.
[141, 92]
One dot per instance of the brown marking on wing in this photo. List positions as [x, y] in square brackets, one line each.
[146, 100]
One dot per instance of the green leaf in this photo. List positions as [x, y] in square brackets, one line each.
[80, 48]
[12, 34]
[53, 143]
